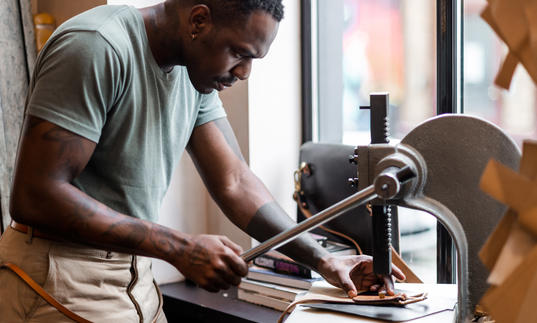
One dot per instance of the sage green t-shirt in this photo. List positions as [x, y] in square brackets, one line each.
[97, 77]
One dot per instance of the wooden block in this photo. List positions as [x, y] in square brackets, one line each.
[509, 16]
[518, 245]
[492, 248]
[506, 186]
[528, 216]
[514, 300]
[505, 75]
[528, 162]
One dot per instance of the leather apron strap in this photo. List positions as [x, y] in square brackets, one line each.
[41, 292]
[53, 302]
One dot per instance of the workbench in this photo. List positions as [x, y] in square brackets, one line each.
[185, 302]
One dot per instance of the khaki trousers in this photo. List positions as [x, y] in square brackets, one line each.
[98, 285]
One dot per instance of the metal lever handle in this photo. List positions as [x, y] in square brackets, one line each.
[361, 197]
[367, 194]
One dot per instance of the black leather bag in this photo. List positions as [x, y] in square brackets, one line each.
[327, 183]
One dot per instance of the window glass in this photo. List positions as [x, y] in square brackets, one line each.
[515, 110]
[386, 46]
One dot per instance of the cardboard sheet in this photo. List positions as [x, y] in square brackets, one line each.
[528, 163]
[493, 246]
[511, 250]
[514, 300]
[515, 22]
[517, 247]
[514, 190]
[507, 186]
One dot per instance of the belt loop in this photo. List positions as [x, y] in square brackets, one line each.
[30, 235]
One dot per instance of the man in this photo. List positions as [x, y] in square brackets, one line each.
[116, 96]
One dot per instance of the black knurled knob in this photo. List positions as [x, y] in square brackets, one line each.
[353, 181]
[353, 159]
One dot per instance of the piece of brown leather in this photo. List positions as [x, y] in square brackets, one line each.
[333, 295]
[399, 299]
[336, 295]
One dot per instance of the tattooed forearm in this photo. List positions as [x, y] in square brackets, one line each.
[129, 231]
[269, 220]
[165, 242]
[82, 212]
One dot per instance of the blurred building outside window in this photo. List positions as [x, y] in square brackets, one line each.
[515, 110]
[390, 46]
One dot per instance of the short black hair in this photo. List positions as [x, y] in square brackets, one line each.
[231, 10]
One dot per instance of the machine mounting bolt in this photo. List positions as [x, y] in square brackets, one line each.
[353, 181]
[353, 159]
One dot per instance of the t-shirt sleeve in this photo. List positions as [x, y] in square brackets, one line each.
[211, 108]
[76, 82]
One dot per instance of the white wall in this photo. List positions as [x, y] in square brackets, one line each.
[185, 209]
[274, 100]
[265, 115]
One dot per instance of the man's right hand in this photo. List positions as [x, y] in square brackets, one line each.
[212, 262]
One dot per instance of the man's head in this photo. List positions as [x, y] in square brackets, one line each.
[226, 12]
[221, 37]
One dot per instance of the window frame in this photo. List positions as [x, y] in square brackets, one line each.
[315, 118]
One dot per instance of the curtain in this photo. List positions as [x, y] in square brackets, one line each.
[17, 58]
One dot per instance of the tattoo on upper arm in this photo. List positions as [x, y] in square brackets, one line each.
[226, 130]
[72, 150]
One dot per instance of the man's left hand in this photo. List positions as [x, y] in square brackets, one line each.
[354, 273]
